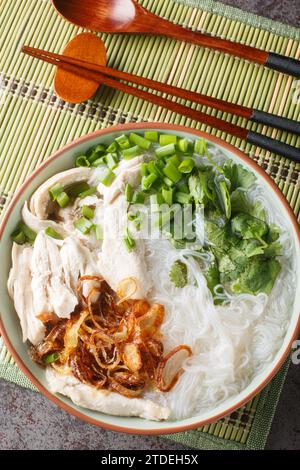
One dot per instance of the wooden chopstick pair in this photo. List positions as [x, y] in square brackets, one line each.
[110, 77]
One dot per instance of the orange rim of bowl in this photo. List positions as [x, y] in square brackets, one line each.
[141, 126]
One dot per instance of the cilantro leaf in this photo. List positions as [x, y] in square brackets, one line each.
[273, 250]
[178, 274]
[224, 197]
[212, 276]
[238, 175]
[246, 226]
[259, 276]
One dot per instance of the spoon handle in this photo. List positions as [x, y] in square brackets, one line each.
[271, 60]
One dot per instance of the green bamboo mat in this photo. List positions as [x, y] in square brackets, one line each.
[34, 123]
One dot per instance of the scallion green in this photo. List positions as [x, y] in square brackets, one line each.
[83, 225]
[98, 231]
[123, 142]
[172, 172]
[18, 236]
[128, 192]
[182, 198]
[63, 200]
[128, 240]
[151, 135]
[82, 160]
[175, 160]
[140, 141]
[147, 181]
[55, 191]
[166, 139]
[89, 192]
[50, 358]
[53, 233]
[107, 177]
[76, 189]
[113, 147]
[88, 212]
[28, 232]
[138, 197]
[165, 151]
[100, 161]
[131, 152]
[112, 160]
[144, 169]
[167, 195]
[183, 145]
[187, 165]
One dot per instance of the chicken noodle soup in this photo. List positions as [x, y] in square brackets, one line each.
[158, 278]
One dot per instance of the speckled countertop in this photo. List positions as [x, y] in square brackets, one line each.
[30, 421]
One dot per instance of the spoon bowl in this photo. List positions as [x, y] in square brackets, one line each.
[115, 16]
[128, 16]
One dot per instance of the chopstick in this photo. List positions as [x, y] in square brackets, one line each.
[254, 115]
[101, 74]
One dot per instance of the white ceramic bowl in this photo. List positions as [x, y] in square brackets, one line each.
[10, 327]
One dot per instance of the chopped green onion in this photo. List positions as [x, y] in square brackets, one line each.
[131, 152]
[128, 240]
[168, 182]
[175, 160]
[183, 145]
[187, 165]
[153, 167]
[113, 147]
[172, 172]
[144, 169]
[132, 216]
[88, 212]
[138, 197]
[200, 147]
[53, 233]
[95, 153]
[151, 135]
[56, 191]
[168, 195]
[100, 161]
[83, 225]
[147, 181]
[63, 200]
[182, 198]
[89, 192]
[183, 188]
[123, 142]
[28, 232]
[76, 189]
[128, 192]
[51, 358]
[156, 199]
[165, 151]
[98, 231]
[82, 161]
[107, 178]
[18, 236]
[137, 139]
[112, 160]
[166, 139]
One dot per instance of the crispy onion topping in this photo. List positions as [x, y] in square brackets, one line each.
[111, 341]
[165, 378]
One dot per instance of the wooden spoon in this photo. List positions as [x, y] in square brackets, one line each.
[75, 88]
[128, 16]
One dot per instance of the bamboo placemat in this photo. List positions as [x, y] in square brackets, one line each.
[35, 123]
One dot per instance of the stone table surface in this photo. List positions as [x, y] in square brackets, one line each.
[30, 421]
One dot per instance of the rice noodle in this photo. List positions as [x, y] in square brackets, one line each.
[231, 342]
